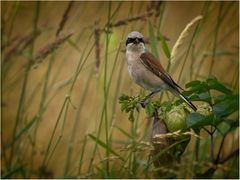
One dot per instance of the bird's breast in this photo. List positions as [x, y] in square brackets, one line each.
[141, 75]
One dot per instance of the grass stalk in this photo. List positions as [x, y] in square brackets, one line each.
[82, 155]
[104, 108]
[105, 89]
[119, 80]
[206, 40]
[4, 155]
[81, 64]
[43, 164]
[41, 106]
[116, 92]
[215, 37]
[25, 82]
[64, 18]
[76, 122]
[61, 133]
[16, 6]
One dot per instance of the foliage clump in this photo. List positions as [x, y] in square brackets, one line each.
[216, 105]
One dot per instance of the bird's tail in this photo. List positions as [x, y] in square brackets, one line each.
[188, 102]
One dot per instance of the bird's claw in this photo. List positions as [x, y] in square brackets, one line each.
[144, 102]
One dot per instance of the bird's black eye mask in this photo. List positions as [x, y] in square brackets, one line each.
[134, 40]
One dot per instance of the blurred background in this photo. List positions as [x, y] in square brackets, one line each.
[63, 69]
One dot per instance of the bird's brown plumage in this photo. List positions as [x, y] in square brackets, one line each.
[148, 61]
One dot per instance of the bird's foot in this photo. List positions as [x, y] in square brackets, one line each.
[144, 102]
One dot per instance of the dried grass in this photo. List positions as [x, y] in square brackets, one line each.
[64, 18]
[182, 38]
[45, 51]
[20, 44]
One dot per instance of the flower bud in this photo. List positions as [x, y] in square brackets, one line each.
[175, 119]
[204, 109]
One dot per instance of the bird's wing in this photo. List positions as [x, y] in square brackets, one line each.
[149, 61]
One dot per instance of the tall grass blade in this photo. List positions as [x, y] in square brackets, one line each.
[105, 146]
[25, 129]
[125, 133]
[25, 82]
[153, 40]
[164, 46]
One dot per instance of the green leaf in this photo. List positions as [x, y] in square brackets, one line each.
[227, 106]
[123, 98]
[232, 123]
[213, 83]
[164, 46]
[204, 96]
[196, 120]
[150, 110]
[192, 84]
[227, 125]
[195, 87]
[101, 143]
[153, 40]
[218, 99]
[201, 89]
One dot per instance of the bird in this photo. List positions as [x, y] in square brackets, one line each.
[146, 71]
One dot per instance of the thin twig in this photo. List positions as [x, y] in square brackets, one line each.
[220, 149]
[234, 153]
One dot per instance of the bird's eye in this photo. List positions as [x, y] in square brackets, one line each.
[141, 40]
[130, 40]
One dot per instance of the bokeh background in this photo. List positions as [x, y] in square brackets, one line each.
[63, 69]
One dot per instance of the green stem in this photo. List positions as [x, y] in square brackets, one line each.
[82, 154]
[106, 92]
[25, 82]
[76, 122]
[66, 101]
[215, 37]
[41, 107]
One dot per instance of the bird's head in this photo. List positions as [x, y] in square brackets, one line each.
[135, 42]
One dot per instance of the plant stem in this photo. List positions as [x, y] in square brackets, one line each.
[25, 82]
[215, 37]
[66, 101]
[82, 154]
[76, 122]
[106, 91]
[41, 106]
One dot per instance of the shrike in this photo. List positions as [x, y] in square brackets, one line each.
[145, 70]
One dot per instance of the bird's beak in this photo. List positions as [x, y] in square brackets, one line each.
[136, 41]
